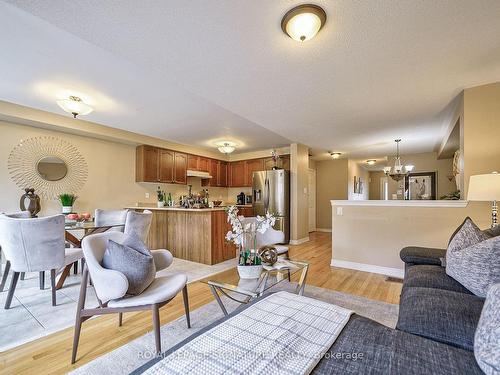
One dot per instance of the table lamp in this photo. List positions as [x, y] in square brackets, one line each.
[486, 187]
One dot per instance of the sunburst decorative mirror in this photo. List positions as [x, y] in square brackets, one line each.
[48, 164]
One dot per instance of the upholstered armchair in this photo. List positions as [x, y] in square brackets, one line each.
[35, 245]
[138, 223]
[105, 218]
[111, 287]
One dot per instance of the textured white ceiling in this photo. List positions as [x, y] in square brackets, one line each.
[377, 71]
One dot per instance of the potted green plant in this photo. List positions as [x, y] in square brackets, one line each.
[245, 237]
[67, 202]
[160, 194]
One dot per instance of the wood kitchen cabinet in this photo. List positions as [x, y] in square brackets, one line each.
[237, 173]
[222, 174]
[283, 162]
[193, 162]
[166, 166]
[198, 163]
[180, 168]
[218, 171]
[245, 211]
[253, 165]
[153, 164]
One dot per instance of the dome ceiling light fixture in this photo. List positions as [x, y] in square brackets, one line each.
[226, 147]
[303, 22]
[371, 161]
[75, 106]
[335, 155]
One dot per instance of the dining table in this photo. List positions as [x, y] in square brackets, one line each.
[88, 228]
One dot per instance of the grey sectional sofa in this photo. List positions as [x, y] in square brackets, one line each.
[434, 334]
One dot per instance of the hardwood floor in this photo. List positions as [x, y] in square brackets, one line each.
[52, 354]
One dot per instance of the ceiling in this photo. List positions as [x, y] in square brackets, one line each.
[199, 71]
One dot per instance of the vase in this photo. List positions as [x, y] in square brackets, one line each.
[32, 201]
[160, 204]
[67, 209]
[250, 272]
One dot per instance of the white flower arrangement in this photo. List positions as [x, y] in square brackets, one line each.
[240, 230]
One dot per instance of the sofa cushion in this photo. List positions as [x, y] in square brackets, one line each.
[476, 267]
[134, 260]
[440, 315]
[422, 255]
[429, 276]
[487, 337]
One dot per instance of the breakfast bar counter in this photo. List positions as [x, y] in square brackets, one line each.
[195, 234]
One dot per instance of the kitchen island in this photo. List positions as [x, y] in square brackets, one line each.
[195, 234]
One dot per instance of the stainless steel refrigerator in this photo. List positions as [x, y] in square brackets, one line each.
[271, 192]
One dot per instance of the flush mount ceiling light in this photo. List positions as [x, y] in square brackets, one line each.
[335, 155]
[75, 106]
[303, 22]
[371, 161]
[226, 147]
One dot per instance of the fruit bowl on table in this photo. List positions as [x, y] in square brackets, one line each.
[217, 203]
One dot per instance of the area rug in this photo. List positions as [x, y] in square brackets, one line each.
[137, 352]
[32, 315]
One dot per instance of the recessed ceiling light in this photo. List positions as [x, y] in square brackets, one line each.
[226, 147]
[335, 155]
[371, 161]
[75, 106]
[303, 22]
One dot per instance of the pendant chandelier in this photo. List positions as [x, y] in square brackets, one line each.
[398, 172]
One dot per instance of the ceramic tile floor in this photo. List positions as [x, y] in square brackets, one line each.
[32, 315]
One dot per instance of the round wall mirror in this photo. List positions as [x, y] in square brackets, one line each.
[52, 168]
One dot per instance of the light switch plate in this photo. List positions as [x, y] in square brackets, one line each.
[147, 195]
[339, 211]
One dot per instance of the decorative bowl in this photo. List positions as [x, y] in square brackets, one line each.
[217, 203]
[250, 272]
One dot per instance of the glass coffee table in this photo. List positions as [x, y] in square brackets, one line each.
[229, 284]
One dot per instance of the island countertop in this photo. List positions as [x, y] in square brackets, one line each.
[154, 208]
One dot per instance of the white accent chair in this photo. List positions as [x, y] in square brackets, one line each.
[111, 287]
[138, 223]
[35, 245]
[270, 237]
[103, 218]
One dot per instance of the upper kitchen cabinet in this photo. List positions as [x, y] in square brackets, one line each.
[238, 173]
[198, 163]
[180, 168]
[283, 162]
[218, 171]
[166, 166]
[155, 164]
[253, 165]
[147, 164]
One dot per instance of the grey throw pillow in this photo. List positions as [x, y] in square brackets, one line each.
[465, 235]
[476, 267]
[134, 260]
[487, 337]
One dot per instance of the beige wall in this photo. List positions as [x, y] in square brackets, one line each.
[299, 166]
[481, 130]
[331, 183]
[374, 235]
[111, 178]
[355, 169]
[424, 162]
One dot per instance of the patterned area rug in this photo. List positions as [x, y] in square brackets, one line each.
[137, 352]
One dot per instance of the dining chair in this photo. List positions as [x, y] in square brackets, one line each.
[104, 218]
[271, 237]
[111, 287]
[19, 215]
[138, 223]
[35, 245]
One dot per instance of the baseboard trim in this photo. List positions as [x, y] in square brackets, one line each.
[388, 271]
[299, 241]
[327, 230]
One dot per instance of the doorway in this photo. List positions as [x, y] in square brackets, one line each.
[312, 199]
